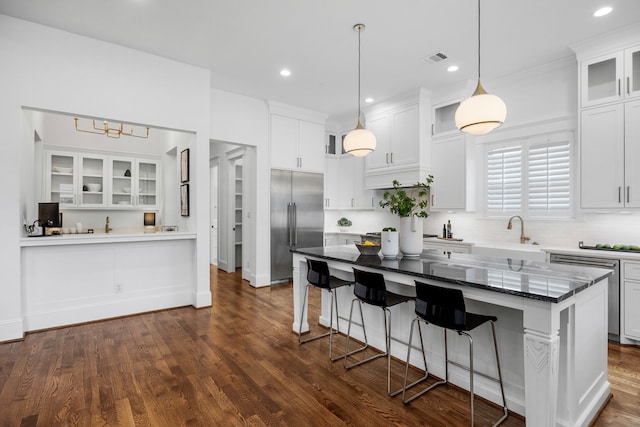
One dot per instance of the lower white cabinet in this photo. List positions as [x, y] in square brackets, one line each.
[454, 248]
[631, 299]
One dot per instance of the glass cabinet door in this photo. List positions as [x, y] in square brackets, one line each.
[632, 72]
[61, 182]
[92, 179]
[147, 188]
[121, 183]
[602, 80]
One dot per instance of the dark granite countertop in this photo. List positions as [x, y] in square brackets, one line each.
[535, 280]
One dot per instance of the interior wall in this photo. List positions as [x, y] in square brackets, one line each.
[244, 120]
[59, 71]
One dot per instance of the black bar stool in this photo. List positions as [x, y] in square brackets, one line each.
[318, 276]
[370, 288]
[444, 307]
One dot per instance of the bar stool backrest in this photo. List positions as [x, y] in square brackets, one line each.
[440, 306]
[370, 287]
[318, 273]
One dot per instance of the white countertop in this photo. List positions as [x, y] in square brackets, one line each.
[99, 238]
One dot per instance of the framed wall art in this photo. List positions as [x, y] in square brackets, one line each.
[184, 165]
[184, 200]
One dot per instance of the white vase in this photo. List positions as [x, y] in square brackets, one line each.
[389, 243]
[411, 236]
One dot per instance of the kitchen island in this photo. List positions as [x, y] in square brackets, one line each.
[551, 329]
[75, 278]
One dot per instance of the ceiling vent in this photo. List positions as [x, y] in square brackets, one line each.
[434, 57]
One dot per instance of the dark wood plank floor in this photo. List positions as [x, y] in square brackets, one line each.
[236, 363]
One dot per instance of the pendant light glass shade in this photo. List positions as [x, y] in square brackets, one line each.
[483, 112]
[360, 141]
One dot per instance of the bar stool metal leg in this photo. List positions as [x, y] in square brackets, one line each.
[364, 330]
[333, 299]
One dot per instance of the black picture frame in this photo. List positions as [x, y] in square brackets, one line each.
[184, 165]
[184, 200]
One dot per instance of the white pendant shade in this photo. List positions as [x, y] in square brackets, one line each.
[480, 114]
[359, 142]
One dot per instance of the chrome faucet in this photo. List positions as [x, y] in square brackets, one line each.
[523, 238]
[107, 229]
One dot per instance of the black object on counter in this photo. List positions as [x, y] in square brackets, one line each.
[444, 231]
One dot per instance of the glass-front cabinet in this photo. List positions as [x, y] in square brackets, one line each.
[611, 77]
[75, 180]
[88, 180]
[134, 183]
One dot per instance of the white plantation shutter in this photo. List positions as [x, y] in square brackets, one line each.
[530, 177]
[504, 179]
[549, 180]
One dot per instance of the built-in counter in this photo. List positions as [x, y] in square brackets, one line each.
[78, 278]
[549, 318]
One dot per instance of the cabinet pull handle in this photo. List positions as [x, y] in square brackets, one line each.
[628, 86]
[386, 158]
[619, 91]
[433, 129]
[372, 202]
[628, 187]
[391, 157]
[619, 196]
[300, 161]
[433, 200]
[352, 203]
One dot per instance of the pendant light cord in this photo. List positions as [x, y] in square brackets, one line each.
[478, 40]
[359, 60]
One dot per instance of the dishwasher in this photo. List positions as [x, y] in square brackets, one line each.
[614, 284]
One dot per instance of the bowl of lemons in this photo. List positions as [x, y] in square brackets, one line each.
[368, 247]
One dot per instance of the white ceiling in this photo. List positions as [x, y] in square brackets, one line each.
[245, 43]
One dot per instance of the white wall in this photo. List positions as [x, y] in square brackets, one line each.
[243, 120]
[44, 68]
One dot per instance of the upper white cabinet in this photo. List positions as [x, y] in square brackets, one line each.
[443, 119]
[87, 180]
[611, 77]
[452, 189]
[402, 131]
[610, 153]
[297, 144]
[344, 184]
[134, 183]
[75, 180]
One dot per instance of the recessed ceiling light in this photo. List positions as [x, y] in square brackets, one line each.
[368, 100]
[285, 73]
[452, 68]
[602, 11]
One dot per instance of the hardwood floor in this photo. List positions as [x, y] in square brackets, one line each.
[236, 363]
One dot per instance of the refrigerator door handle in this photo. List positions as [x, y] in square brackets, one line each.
[289, 224]
[295, 224]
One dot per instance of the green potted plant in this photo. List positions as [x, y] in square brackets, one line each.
[344, 223]
[409, 203]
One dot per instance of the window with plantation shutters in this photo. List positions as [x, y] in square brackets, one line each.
[530, 177]
[504, 180]
[549, 180]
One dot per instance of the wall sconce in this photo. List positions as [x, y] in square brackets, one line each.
[149, 222]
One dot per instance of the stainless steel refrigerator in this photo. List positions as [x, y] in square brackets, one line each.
[297, 217]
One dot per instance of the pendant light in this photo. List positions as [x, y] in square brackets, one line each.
[482, 112]
[360, 141]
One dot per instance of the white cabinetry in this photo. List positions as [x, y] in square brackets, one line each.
[631, 300]
[452, 188]
[454, 248]
[296, 144]
[344, 184]
[611, 77]
[403, 142]
[443, 119]
[134, 183]
[88, 181]
[332, 182]
[75, 180]
[610, 152]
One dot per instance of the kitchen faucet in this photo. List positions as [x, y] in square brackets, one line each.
[107, 229]
[523, 238]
